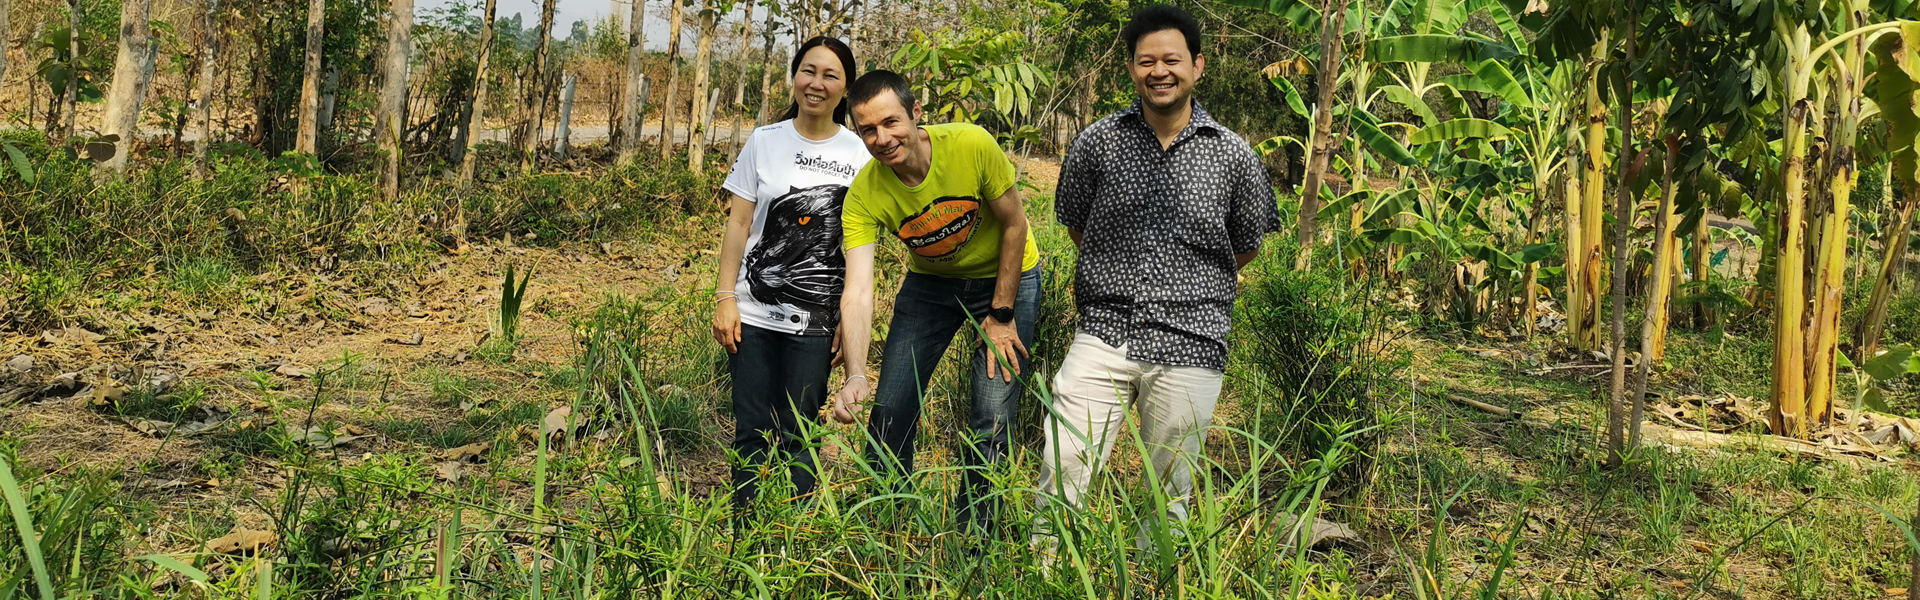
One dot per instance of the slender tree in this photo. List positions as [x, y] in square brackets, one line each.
[70, 96]
[633, 115]
[1618, 440]
[306, 140]
[209, 47]
[130, 72]
[535, 107]
[391, 122]
[672, 106]
[746, 52]
[6, 9]
[702, 74]
[477, 113]
[766, 71]
[1325, 79]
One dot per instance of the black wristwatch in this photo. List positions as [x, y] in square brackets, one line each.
[1002, 314]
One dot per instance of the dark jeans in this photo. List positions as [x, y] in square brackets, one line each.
[779, 384]
[926, 314]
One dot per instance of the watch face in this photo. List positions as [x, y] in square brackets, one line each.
[1003, 315]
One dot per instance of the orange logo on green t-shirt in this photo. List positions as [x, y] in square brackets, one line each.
[942, 228]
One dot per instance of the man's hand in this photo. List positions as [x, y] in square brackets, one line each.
[839, 358]
[726, 325]
[1006, 341]
[852, 394]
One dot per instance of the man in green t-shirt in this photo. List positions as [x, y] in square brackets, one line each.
[947, 192]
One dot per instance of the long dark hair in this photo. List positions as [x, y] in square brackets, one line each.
[840, 49]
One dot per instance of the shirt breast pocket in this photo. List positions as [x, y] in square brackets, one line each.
[1202, 200]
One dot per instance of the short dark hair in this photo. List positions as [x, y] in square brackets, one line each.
[1157, 18]
[869, 86]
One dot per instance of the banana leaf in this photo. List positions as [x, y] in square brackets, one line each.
[1303, 16]
[1461, 129]
[1435, 48]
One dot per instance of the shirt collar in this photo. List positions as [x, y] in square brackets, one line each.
[1200, 120]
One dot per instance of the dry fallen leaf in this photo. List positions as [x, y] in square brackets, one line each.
[448, 471]
[468, 453]
[556, 420]
[241, 540]
[288, 370]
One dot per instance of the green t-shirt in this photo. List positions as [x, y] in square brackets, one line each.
[944, 221]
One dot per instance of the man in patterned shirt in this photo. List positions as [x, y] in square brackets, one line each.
[1166, 205]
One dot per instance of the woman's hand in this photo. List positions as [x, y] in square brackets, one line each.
[726, 324]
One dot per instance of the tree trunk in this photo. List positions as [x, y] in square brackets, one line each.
[1531, 281]
[536, 93]
[122, 115]
[203, 119]
[391, 123]
[702, 73]
[563, 131]
[746, 52]
[1573, 198]
[68, 97]
[329, 100]
[6, 9]
[672, 106]
[477, 115]
[766, 74]
[1868, 338]
[634, 100]
[1325, 78]
[1583, 317]
[1617, 422]
[310, 80]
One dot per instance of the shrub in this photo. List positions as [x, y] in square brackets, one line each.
[1321, 357]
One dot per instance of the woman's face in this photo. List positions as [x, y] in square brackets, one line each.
[820, 82]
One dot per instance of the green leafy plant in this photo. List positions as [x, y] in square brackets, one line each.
[512, 293]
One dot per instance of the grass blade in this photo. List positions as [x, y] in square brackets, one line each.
[23, 522]
[174, 564]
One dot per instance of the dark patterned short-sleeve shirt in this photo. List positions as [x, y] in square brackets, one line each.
[1159, 230]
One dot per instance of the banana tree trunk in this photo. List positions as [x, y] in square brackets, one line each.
[1325, 78]
[1868, 339]
[1787, 413]
[1530, 283]
[633, 115]
[203, 115]
[702, 72]
[1666, 266]
[303, 141]
[1702, 272]
[122, 115]
[1823, 335]
[1583, 318]
[477, 115]
[1653, 331]
[672, 107]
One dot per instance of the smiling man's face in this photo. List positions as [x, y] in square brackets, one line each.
[887, 128]
[1163, 70]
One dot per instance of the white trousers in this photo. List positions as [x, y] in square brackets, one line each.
[1090, 396]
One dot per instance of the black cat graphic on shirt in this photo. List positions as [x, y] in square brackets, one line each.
[798, 261]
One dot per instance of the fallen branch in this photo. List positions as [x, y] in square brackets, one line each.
[1483, 407]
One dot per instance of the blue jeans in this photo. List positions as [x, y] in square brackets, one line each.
[926, 314]
[779, 385]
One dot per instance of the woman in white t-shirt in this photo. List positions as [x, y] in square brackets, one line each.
[781, 268]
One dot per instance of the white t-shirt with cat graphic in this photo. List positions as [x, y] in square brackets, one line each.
[793, 269]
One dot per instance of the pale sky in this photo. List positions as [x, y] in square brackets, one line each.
[567, 11]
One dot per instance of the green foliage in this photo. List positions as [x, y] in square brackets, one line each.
[980, 76]
[1324, 359]
[511, 294]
